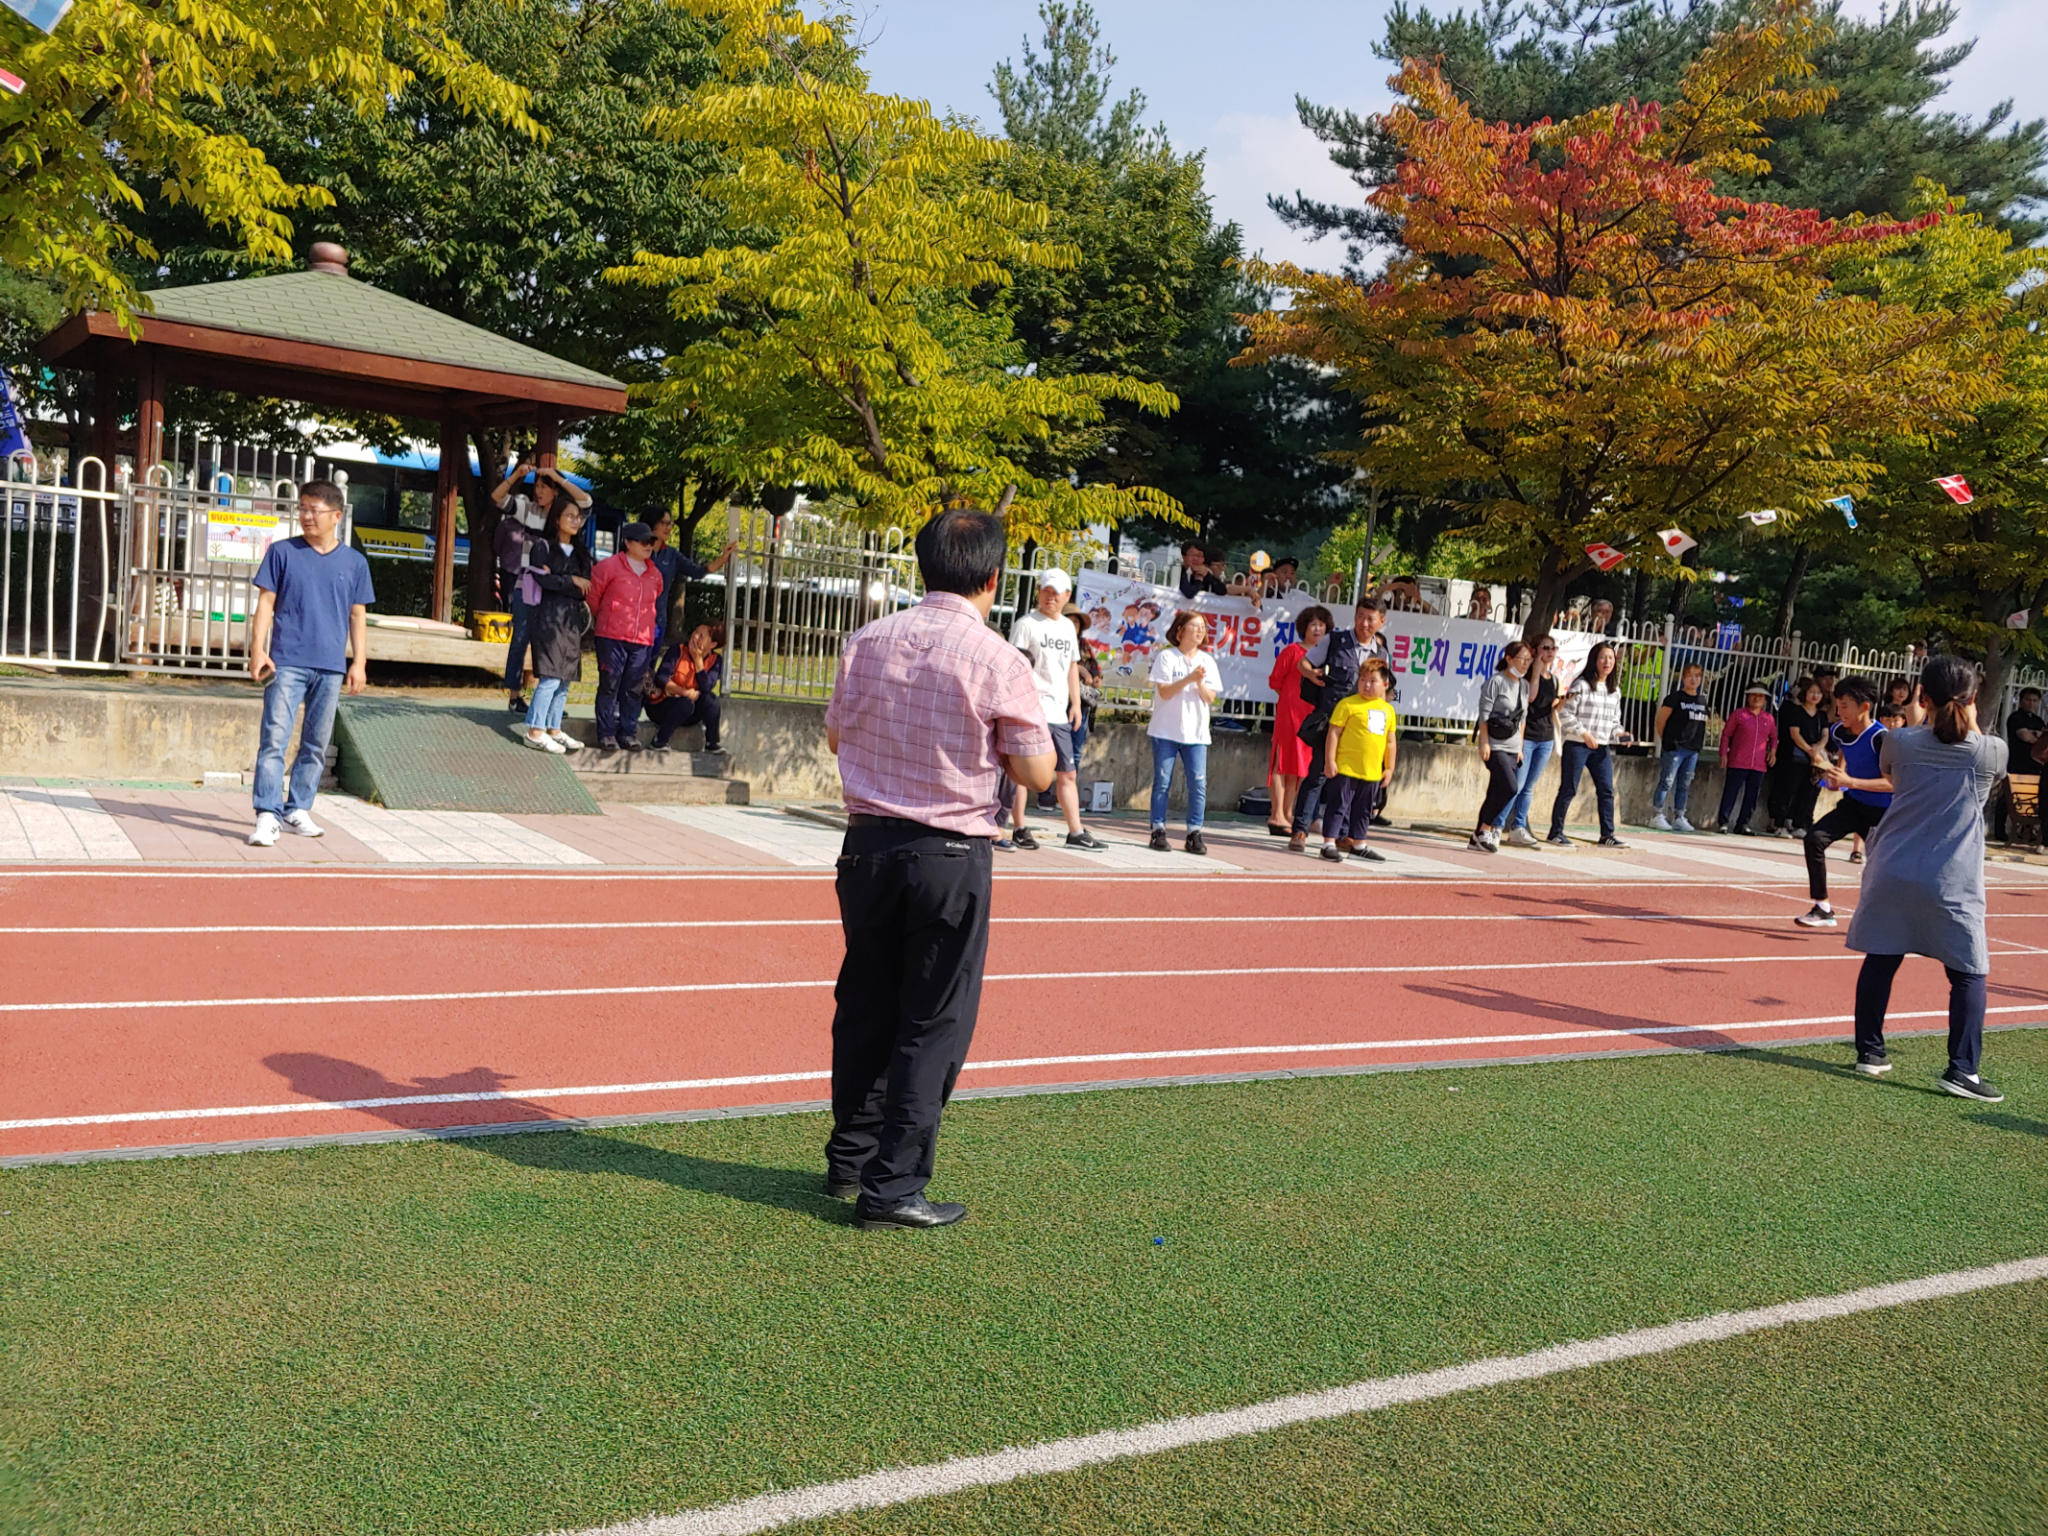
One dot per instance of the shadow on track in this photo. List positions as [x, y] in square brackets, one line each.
[1522, 1006]
[568, 1145]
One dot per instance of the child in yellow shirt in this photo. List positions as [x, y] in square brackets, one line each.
[1359, 759]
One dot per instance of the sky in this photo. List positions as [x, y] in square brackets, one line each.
[1223, 78]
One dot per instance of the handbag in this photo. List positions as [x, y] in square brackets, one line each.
[1314, 730]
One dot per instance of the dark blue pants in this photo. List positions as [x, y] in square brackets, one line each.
[671, 715]
[515, 655]
[1743, 782]
[1577, 755]
[621, 675]
[1965, 1010]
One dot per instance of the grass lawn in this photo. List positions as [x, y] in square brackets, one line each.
[519, 1334]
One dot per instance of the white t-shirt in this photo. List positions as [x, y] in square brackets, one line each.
[1184, 717]
[1051, 646]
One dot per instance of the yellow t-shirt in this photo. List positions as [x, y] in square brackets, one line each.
[1368, 725]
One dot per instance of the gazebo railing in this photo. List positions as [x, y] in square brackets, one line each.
[59, 581]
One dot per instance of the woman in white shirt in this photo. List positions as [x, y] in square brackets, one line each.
[1185, 682]
[1588, 730]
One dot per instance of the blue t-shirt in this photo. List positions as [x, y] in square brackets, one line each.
[1859, 756]
[314, 594]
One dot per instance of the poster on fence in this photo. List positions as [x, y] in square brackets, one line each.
[242, 537]
[1439, 663]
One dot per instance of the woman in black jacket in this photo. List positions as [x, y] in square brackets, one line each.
[559, 567]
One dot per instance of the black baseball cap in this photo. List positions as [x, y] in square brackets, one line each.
[636, 533]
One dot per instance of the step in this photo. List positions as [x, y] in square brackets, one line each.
[651, 764]
[664, 789]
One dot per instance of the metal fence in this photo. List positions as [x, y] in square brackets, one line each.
[59, 574]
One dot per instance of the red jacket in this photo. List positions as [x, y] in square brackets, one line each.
[628, 607]
[1746, 738]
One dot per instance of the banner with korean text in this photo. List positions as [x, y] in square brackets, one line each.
[1439, 663]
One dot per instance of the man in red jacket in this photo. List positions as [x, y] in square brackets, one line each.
[625, 595]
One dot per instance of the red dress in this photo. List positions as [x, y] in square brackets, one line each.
[1289, 755]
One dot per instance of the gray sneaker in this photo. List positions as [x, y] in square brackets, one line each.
[1964, 1087]
[1816, 916]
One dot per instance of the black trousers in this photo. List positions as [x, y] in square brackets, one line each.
[914, 906]
[671, 715]
[1308, 799]
[1965, 1010]
[1849, 817]
[1793, 790]
[1502, 772]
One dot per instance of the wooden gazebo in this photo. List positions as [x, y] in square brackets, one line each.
[322, 337]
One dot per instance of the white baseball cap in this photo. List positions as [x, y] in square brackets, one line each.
[1056, 579]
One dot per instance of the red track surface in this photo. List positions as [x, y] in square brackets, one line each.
[1090, 968]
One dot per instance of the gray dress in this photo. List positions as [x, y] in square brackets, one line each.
[1923, 887]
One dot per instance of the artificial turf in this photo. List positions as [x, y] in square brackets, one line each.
[520, 1334]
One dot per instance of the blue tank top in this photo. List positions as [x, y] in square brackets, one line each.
[1859, 756]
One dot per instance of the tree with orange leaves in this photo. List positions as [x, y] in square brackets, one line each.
[1582, 341]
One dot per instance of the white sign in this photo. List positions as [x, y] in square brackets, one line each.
[1438, 663]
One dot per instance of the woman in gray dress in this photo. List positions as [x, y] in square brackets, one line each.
[1923, 888]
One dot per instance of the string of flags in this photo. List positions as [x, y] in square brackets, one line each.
[1676, 542]
[2019, 620]
[1847, 507]
[12, 83]
[1605, 556]
[1767, 515]
[1957, 487]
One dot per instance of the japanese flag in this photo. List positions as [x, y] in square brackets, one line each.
[1677, 542]
[1606, 556]
[2019, 620]
[1958, 489]
[1767, 515]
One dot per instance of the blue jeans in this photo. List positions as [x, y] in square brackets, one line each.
[515, 655]
[1194, 764]
[283, 696]
[1674, 777]
[1578, 756]
[550, 699]
[1534, 755]
[621, 674]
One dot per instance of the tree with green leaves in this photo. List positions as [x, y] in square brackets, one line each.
[1054, 102]
[849, 354]
[1519, 62]
[117, 95]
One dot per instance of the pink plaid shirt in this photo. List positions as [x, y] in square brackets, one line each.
[926, 701]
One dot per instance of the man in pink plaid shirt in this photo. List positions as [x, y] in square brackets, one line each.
[931, 706]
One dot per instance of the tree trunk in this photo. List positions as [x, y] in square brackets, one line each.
[1788, 596]
[1547, 595]
[1997, 656]
[699, 500]
[1639, 603]
[482, 582]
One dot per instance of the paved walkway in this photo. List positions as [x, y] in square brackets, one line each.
[108, 823]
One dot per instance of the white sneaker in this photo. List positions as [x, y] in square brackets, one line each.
[1491, 837]
[1522, 837]
[1659, 824]
[303, 824]
[265, 835]
[541, 743]
[1682, 825]
[565, 741]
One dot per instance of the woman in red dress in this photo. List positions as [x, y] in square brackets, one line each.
[1290, 759]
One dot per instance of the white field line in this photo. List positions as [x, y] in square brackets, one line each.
[904, 1485]
[684, 1085]
[664, 989]
[1178, 919]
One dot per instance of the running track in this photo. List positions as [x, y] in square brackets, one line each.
[160, 1009]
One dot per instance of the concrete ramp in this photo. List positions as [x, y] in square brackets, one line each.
[412, 756]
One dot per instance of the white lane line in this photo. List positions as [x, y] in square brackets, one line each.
[1178, 919]
[904, 1485]
[664, 989]
[1020, 1063]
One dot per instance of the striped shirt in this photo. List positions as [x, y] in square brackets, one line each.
[1590, 711]
[927, 703]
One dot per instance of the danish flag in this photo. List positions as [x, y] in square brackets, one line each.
[1958, 489]
[1606, 556]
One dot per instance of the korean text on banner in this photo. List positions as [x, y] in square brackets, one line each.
[241, 538]
[1438, 663]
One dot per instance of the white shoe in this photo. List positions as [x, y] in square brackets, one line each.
[303, 824]
[1491, 837]
[541, 743]
[1521, 837]
[1659, 824]
[1682, 825]
[265, 835]
[1477, 844]
[565, 741]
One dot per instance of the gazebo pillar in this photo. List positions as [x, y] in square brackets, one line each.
[547, 437]
[447, 492]
[151, 387]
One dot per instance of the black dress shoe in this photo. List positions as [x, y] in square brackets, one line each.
[914, 1212]
[841, 1189]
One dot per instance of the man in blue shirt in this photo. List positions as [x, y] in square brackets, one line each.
[675, 566]
[311, 630]
[1855, 771]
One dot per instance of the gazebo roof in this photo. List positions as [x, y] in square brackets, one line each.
[322, 337]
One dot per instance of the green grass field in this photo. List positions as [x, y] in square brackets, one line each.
[529, 1333]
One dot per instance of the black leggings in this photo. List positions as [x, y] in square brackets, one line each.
[1502, 774]
[1965, 1010]
[1849, 818]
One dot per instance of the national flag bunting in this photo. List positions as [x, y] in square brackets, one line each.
[1957, 487]
[12, 83]
[1606, 556]
[1847, 507]
[2019, 620]
[1677, 542]
[13, 439]
[1767, 515]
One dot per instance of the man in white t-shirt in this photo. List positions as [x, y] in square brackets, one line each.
[1052, 645]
